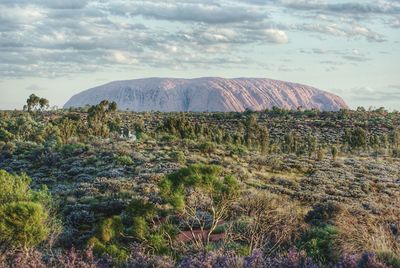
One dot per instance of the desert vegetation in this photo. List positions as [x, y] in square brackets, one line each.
[98, 187]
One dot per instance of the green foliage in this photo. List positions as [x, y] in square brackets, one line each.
[99, 118]
[178, 156]
[358, 138]
[124, 160]
[334, 152]
[67, 129]
[389, 258]
[118, 254]
[239, 150]
[158, 243]
[205, 177]
[140, 228]
[319, 243]
[110, 229]
[207, 147]
[5, 135]
[13, 187]
[141, 208]
[35, 103]
[22, 224]
[239, 248]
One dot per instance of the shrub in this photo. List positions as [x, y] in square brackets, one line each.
[207, 147]
[139, 228]
[323, 213]
[389, 259]
[110, 228]
[319, 243]
[158, 243]
[13, 187]
[22, 224]
[178, 156]
[124, 160]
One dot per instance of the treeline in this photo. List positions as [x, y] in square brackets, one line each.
[249, 129]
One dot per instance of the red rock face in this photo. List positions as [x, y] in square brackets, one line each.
[208, 94]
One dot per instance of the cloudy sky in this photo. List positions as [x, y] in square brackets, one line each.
[56, 48]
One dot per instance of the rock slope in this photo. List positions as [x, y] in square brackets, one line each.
[207, 94]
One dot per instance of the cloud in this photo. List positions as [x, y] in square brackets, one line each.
[276, 36]
[366, 95]
[357, 8]
[34, 87]
[354, 31]
[56, 37]
[53, 4]
[64, 4]
[194, 12]
[122, 57]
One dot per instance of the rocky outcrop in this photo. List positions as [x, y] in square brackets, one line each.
[207, 94]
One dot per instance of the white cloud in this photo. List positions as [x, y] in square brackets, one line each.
[122, 57]
[276, 36]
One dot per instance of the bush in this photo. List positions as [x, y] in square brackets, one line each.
[319, 243]
[13, 187]
[207, 147]
[23, 224]
[178, 156]
[139, 228]
[124, 160]
[323, 213]
[158, 243]
[389, 259]
[110, 228]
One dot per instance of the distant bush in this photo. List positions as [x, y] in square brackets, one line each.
[319, 243]
[178, 156]
[207, 147]
[323, 213]
[124, 160]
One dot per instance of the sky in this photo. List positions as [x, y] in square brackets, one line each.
[57, 48]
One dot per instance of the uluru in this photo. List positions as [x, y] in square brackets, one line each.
[208, 94]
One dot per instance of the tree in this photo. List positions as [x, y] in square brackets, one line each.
[22, 224]
[201, 197]
[98, 117]
[32, 102]
[358, 138]
[35, 103]
[43, 103]
[67, 129]
[334, 151]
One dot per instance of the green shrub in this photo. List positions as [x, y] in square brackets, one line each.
[178, 156]
[390, 259]
[158, 243]
[5, 135]
[139, 228]
[240, 249]
[168, 138]
[124, 160]
[110, 229]
[118, 255]
[23, 224]
[13, 187]
[319, 243]
[207, 147]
